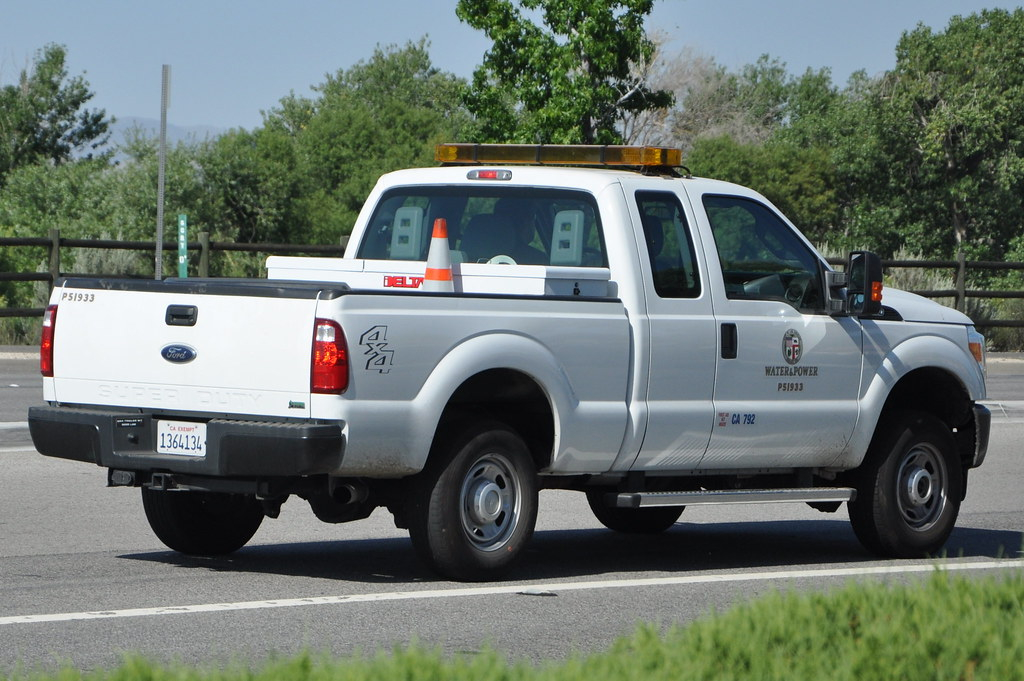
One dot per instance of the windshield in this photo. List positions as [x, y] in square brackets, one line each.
[488, 224]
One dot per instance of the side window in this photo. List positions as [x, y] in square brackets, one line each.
[762, 258]
[669, 246]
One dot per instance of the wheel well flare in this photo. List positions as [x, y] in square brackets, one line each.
[513, 398]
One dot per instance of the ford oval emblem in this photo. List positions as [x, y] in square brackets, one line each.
[178, 353]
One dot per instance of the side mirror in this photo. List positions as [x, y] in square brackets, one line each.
[864, 292]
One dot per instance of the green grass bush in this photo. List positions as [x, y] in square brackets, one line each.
[948, 627]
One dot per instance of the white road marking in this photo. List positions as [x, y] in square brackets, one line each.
[19, 355]
[13, 425]
[554, 589]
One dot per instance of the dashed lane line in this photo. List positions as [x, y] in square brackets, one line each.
[546, 589]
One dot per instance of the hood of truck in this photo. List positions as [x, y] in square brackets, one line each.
[915, 308]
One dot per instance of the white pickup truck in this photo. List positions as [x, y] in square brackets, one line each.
[612, 325]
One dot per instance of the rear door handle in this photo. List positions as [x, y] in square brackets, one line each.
[730, 341]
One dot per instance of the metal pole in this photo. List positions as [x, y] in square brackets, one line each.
[165, 87]
[204, 254]
[961, 280]
[54, 257]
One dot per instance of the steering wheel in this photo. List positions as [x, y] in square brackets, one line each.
[796, 290]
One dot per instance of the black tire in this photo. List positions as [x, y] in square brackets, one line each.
[909, 487]
[632, 520]
[473, 510]
[202, 523]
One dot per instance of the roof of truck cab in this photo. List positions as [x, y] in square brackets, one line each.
[592, 179]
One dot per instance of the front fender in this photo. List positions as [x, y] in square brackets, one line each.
[888, 368]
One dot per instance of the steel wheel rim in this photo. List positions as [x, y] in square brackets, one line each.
[921, 487]
[490, 502]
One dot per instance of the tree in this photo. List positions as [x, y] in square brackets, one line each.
[377, 116]
[42, 117]
[256, 181]
[569, 80]
[799, 180]
[950, 118]
[689, 77]
[750, 106]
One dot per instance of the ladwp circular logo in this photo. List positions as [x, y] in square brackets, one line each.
[178, 353]
[792, 346]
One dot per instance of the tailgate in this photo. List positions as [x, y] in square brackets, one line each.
[238, 347]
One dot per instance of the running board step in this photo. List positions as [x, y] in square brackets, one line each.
[742, 496]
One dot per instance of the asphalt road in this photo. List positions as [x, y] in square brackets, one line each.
[83, 580]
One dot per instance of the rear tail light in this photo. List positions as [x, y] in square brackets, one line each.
[329, 373]
[46, 341]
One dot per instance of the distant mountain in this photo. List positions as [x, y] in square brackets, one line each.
[151, 127]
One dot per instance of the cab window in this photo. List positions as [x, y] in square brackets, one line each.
[488, 225]
[761, 256]
[669, 247]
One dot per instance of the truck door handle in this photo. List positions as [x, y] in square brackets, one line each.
[730, 341]
[181, 315]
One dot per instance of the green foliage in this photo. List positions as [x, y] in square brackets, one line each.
[760, 101]
[951, 628]
[928, 156]
[378, 116]
[568, 80]
[799, 180]
[255, 180]
[950, 120]
[42, 117]
[300, 178]
[947, 628]
[38, 198]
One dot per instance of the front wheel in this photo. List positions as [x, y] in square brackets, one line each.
[909, 487]
[475, 506]
[202, 523]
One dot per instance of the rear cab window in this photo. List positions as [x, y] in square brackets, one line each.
[508, 225]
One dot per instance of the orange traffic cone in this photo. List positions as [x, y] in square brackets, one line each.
[438, 276]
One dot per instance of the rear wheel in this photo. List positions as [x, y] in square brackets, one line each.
[632, 520]
[475, 506]
[202, 523]
[909, 488]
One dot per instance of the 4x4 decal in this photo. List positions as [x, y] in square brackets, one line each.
[379, 356]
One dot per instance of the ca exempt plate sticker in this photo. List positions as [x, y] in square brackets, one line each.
[181, 438]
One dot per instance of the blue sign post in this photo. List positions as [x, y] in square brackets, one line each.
[183, 246]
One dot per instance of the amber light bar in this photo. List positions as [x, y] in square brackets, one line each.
[559, 154]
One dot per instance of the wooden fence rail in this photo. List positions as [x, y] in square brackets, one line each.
[204, 248]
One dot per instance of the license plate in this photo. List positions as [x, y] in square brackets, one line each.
[181, 438]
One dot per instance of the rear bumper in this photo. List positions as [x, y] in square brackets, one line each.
[234, 448]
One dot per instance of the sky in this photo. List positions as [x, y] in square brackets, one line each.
[232, 59]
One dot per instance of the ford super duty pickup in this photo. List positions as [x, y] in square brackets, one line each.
[520, 318]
